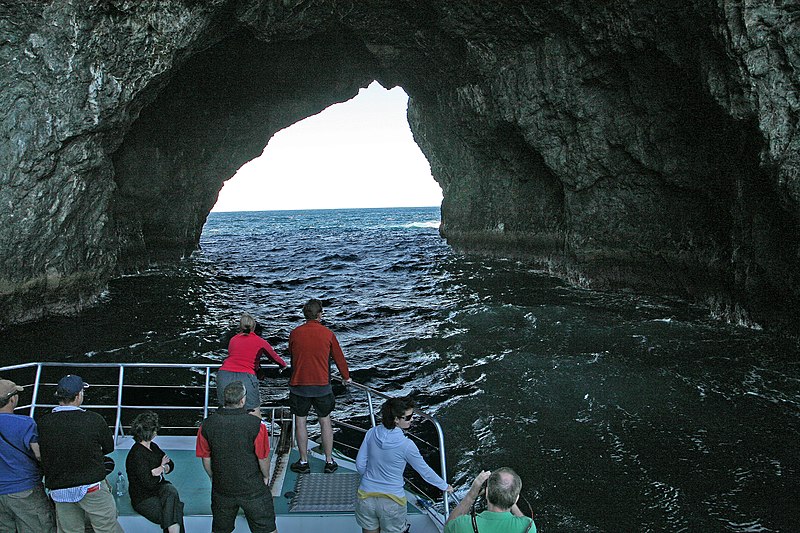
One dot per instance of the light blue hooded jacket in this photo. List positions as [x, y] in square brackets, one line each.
[382, 458]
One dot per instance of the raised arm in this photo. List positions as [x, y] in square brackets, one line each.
[167, 465]
[464, 505]
[414, 458]
[338, 358]
[270, 351]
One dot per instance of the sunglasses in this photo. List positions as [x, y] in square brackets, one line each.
[407, 418]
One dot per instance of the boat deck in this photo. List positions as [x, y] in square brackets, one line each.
[300, 500]
[305, 503]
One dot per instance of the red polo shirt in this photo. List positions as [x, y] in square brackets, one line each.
[244, 353]
[312, 345]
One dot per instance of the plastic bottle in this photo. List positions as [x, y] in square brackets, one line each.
[121, 486]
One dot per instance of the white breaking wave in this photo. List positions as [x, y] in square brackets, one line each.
[426, 224]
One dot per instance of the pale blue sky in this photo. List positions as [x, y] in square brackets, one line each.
[358, 153]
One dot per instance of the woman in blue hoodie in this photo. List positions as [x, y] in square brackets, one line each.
[382, 458]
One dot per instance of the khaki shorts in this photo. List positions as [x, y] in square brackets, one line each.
[381, 513]
[27, 511]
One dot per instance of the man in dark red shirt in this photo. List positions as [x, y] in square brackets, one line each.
[312, 346]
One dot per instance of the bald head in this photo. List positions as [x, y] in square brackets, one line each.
[503, 488]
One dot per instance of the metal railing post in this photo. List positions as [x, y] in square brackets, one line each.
[36, 388]
[205, 399]
[440, 433]
[371, 408]
[118, 422]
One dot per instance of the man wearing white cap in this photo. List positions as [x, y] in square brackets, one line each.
[73, 442]
[24, 507]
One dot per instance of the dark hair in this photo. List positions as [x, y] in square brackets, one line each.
[247, 324]
[65, 397]
[504, 486]
[233, 393]
[395, 408]
[312, 309]
[145, 426]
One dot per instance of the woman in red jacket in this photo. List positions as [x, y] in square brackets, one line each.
[243, 361]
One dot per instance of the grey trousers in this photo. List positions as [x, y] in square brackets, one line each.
[164, 509]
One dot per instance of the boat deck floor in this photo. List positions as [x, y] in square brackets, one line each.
[299, 502]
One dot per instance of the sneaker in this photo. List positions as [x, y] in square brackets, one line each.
[301, 468]
[331, 467]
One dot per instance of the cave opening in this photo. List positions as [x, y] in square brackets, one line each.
[209, 117]
[354, 154]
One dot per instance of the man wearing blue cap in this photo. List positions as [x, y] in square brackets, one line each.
[73, 442]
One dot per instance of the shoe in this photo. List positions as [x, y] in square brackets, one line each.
[300, 468]
[331, 467]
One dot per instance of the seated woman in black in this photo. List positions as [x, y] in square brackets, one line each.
[152, 496]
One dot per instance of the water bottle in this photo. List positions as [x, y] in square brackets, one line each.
[121, 486]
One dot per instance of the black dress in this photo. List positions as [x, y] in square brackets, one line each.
[153, 497]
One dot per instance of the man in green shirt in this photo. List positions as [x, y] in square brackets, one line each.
[501, 515]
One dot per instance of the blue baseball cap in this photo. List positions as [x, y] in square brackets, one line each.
[70, 385]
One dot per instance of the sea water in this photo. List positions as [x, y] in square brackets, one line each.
[621, 412]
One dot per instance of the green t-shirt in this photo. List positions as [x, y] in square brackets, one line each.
[490, 522]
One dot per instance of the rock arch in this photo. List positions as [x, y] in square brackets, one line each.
[626, 145]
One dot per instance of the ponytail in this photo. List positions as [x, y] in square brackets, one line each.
[247, 324]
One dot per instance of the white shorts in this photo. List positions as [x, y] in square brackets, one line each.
[383, 513]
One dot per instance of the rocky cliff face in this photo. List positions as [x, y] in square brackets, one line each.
[626, 144]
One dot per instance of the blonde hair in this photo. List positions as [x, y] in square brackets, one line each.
[247, 324]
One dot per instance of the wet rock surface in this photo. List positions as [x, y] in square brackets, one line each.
[625, 145]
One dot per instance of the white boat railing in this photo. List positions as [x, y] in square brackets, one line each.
[120, 386]
[123, 382]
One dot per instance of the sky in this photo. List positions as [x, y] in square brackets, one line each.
[358, 153]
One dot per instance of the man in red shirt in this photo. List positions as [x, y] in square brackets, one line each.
[312, 346]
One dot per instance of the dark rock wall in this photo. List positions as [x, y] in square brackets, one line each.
[661, 145]
[216, 114]
[628, 144]
[73, 76]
